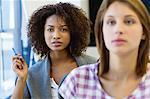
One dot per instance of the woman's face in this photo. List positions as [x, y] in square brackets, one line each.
[122, 29]
[56, 33]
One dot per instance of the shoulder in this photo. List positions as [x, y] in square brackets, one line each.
[146, 77]
[88, 67]
[82, 71]
[148, 70]
[85, 59]
[76, 79]
[39, 63]
[42, 66]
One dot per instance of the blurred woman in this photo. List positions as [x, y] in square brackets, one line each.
[122, 30]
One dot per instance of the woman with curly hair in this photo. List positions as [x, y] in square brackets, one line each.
[122, 31]
[60, 34]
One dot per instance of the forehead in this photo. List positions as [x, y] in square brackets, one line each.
[120, 9]
[55, 19]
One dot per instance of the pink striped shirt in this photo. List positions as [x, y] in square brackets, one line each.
[83, 83]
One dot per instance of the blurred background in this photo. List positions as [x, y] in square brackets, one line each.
[14, 16]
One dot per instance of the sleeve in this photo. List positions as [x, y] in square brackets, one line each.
[67, 89]
[26, 93]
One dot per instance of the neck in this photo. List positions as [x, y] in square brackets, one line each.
[60, 56]
[122, 67]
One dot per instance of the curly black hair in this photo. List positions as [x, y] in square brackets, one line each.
[79, 26]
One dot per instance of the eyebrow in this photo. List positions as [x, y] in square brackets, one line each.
[59, 26]
[125, 16]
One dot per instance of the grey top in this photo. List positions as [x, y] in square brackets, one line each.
[38, 83]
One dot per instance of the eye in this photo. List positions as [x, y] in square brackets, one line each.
[129, 21]
[50, 29]
[63, 29]
[111, 22]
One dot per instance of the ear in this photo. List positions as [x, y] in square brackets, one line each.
[143, 37]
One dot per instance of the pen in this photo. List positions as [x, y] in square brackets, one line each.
[18, 58]
[14, 51]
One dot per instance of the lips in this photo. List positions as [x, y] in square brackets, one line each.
[119, 41]
[56, 43]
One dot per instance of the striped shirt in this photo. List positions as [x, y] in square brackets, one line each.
[83, 83]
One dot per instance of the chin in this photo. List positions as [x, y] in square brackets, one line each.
[57, 49]
[121, 53]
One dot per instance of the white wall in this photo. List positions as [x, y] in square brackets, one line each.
[32, 5]
[92, 51]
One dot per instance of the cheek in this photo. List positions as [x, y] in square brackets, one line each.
[107, 40]
[136, 38]
[107, 31]
[68, 40]
[137, 31]
[67, 37]
[136, 34]
[107, 34]
[47, 38]
[47, 42]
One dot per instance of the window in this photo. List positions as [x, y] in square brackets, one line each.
[7, 77]
[7, 15]
[7, 27]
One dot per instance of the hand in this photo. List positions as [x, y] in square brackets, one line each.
[20, 67]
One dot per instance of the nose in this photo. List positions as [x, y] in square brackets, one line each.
[56, 35]
[119, 28]
[118, 32]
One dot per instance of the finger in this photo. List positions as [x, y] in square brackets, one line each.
[18, 64]
[21, 60]
[24, 62]
[15, 68]
[18, 61]
[16, 57]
